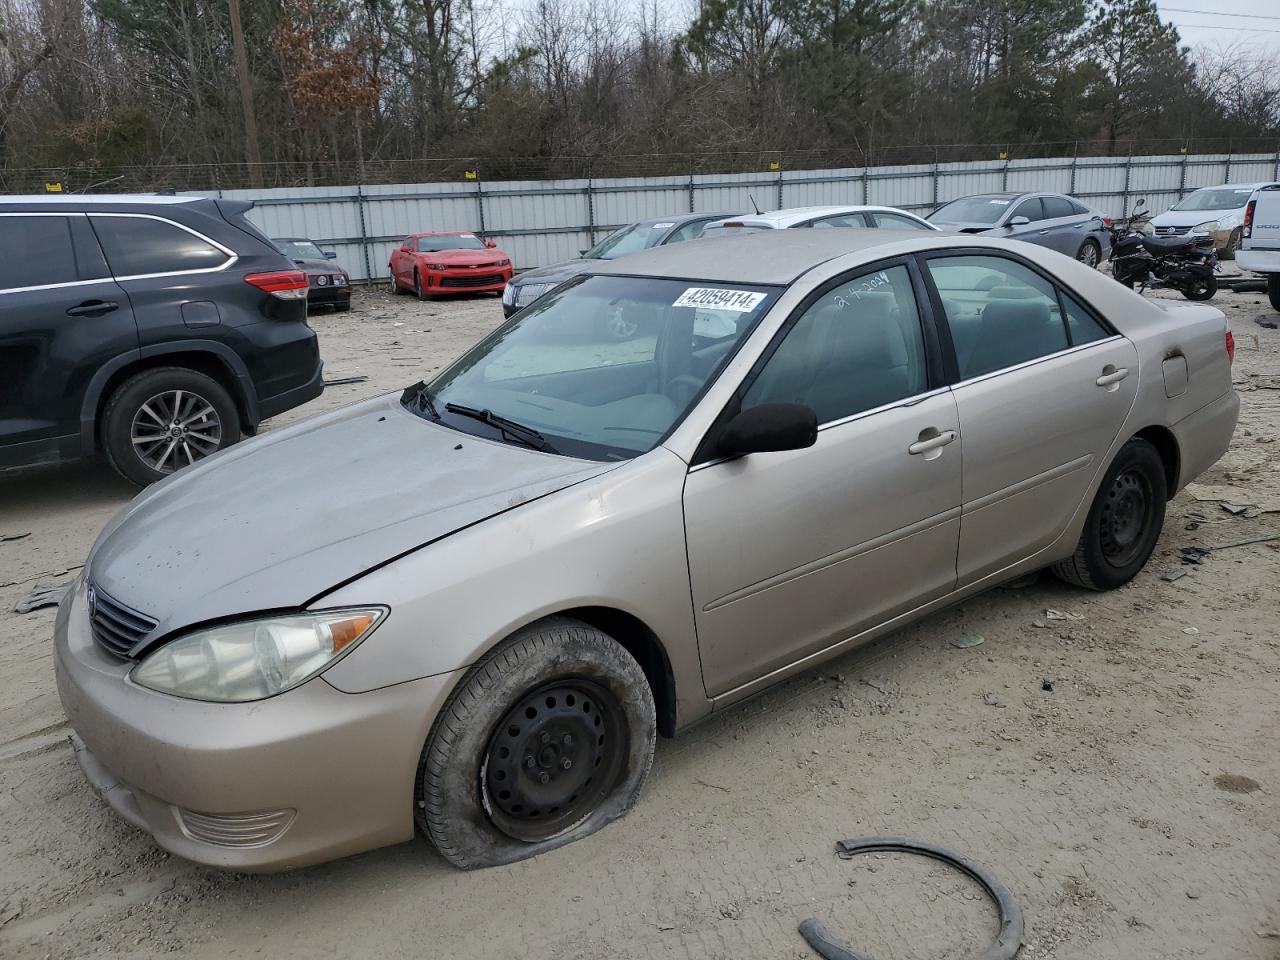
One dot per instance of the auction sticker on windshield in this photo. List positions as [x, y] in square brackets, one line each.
[741, 301]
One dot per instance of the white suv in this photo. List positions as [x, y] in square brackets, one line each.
[1260, 243]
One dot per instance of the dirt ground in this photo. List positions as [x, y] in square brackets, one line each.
[1131, 810]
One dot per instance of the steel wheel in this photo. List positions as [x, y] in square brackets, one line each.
[1124, 517]
[175, 428]
[552, 759]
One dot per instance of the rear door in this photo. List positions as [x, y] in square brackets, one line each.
[792, 552]
[1044, 388]
[1063, 228]
[62, 319]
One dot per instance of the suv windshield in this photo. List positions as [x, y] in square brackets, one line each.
[436, 244]
[600, 370]
[1216, 198]
[971, 210]
[300, 249]
[631, 239]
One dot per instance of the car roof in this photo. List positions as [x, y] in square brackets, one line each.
[443, 233]
[774, 257]
[1237, 186]
[790, 216]
[292, 239]
[682, 218]
[95, 199]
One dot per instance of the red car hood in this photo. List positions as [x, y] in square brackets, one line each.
[465, 258]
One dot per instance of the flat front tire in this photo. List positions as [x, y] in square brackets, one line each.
[161, 420]
[1124, 521]
[548, 738]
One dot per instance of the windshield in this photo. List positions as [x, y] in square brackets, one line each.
[971, 210]
[1216, 198]
[632, 239]
[602, 369]
[435, 244]
[300, 250]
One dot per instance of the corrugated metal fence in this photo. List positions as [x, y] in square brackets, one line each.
[541, 221]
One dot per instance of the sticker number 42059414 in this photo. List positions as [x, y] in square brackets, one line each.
[718, 298]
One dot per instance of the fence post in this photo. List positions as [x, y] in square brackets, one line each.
[1004, 174]
[591, 212]
[691, 191]
[1075, 160]
[1182, 178]
[1128, 173]
[865, 171]
[779, 185]
[1227, 176]
[480, 199]
[364, 234]
[1277, 172]
[935, 178]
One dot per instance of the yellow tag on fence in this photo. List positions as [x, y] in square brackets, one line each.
[471, 174]
[53, 186]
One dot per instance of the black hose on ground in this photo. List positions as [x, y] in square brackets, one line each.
[1007, 942]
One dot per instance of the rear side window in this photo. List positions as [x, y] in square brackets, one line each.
[1078, 207]
[894, 221]
[36, 251]
[690, 231]
[1057, 207]
[1000, 313]
[136, 246]
[1081, 325]
[846, 220]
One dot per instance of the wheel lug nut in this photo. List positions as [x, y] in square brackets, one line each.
[546, 737]
[530, 762]
[566, 763]
[567, 740]
[544, 777]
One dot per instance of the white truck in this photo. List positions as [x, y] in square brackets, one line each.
[1260, 241]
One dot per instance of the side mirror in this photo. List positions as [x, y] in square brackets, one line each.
[582, 253]
[491, 244]
[1019, 221]
[767, 428]
[1142, 202]
[330, 255]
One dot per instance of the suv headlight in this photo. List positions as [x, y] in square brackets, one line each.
[1209, 226]
[254, 659]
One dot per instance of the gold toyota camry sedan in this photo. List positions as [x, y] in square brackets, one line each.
[471, 607]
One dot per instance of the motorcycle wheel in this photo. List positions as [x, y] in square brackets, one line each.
[1201, 289]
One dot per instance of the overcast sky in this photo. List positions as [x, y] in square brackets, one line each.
[1214, 24]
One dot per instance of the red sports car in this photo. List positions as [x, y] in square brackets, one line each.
[435, 264]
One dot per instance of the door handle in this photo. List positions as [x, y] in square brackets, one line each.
[1111, 377]
[1043, 232]
[93, 308]
[931, 443]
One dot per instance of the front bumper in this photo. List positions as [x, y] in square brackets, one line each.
[467, 280]
[310, 775]
[1258, 261]
[327, 296]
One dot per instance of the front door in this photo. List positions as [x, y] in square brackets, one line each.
[792, 552]
[1044, 389]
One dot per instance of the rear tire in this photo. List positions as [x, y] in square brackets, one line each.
[1202, 289]
[1273, 290]
[144, 407]
[489, 783]
[1124, 521]
[1090, 254]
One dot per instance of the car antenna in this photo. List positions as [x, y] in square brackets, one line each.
[754, 204]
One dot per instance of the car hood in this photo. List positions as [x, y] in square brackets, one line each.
[959, 226]
[314, 267]
[277, 521]
[465, 258]
[1191, 218]
[555, 272]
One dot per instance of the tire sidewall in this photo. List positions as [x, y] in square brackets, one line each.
[451, 767]
[1273, 290]
[1097, 254]
[117, 418]
[1102, 573]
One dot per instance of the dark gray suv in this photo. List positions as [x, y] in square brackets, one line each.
[154, 329]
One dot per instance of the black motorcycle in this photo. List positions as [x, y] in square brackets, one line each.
[1139, 259]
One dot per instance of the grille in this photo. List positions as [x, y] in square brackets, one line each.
[1171, 231]
[117, 628]
[486, 280]
[235, 830]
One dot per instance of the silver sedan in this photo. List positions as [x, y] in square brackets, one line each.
[473, 606]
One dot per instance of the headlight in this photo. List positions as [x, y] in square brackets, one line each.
[509, 295]
[1209, 226]
[503, 263]
[530, 292]
[437, 266]
[254, 659]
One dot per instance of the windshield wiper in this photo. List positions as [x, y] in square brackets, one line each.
[417, 399]
[517, 431]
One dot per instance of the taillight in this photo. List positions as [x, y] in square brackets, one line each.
[1246, 228]
[1231, 348]
[1107, 221]
[283, 284]
[732, 223]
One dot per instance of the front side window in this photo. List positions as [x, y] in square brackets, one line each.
[35, 251]
[135, 246]
[602, 368]
[859, 346]
[1057, 207]
[895, 221]
[1031, 209]
[1000, 313]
